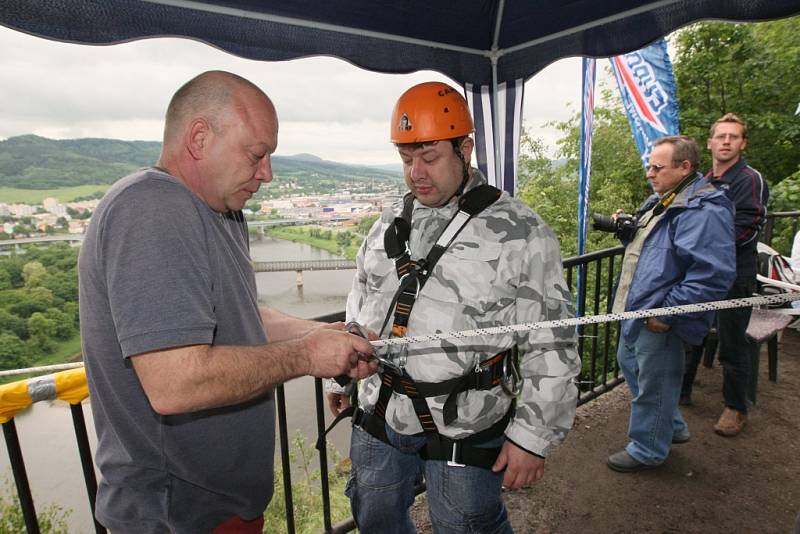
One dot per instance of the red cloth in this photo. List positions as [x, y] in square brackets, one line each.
[237, 525]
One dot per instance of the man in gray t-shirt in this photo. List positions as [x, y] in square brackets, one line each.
[181, 360]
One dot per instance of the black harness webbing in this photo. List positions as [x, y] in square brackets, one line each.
[414, 274]
[456, 452]
[487, 375]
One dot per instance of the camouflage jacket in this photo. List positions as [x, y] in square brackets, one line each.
[503, 268]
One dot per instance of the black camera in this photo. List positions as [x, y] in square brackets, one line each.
[624, 226]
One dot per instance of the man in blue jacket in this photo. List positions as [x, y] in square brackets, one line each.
[682, 253]
[747, 190]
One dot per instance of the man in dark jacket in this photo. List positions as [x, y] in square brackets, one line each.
[682, 253]
[748, 192]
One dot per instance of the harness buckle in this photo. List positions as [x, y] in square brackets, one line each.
[452, 462]
[359, 416]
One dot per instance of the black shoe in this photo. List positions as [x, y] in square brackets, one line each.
[677, 440]
[685, 400]
[622, 462]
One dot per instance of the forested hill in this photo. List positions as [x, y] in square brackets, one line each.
[33, 162]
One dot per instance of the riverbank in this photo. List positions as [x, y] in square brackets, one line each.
[332, 244]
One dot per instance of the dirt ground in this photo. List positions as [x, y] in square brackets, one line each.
[747, 484]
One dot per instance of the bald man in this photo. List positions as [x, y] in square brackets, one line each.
[181, 359]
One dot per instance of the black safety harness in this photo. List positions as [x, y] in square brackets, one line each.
[488, 374]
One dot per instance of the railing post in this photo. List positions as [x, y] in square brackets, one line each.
[768, 229]
[286, 465]
[323, 456]
[82, 439]
[20, 477]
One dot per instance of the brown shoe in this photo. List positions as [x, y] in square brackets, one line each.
[730, 423]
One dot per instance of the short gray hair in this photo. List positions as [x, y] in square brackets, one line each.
[684, 148]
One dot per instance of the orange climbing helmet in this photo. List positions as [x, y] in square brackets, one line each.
[430, 111]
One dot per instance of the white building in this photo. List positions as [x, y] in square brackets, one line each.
[22, 210]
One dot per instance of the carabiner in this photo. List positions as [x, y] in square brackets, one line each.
[356, 329]
[511, 380]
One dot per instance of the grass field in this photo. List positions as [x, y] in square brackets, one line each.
[11, 195]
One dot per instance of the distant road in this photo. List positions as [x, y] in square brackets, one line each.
[74, 238]
[78, 238]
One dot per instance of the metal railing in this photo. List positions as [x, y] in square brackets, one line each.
[597, 345]
[595, 274]
[782, 223]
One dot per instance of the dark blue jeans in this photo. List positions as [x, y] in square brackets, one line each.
[381, 489]
[736, 350]
[694, 353]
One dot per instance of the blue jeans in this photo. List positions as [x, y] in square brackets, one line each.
[382, 480]
[653, 369]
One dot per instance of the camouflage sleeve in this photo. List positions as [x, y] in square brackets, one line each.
[356, 297]
[549, 359]
[358, 291]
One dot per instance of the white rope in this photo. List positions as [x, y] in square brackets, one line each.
[525, 327]
[593, 319]
[45, 368]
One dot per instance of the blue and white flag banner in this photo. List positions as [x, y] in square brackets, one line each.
[647, 86]
[501, 129]
[587, 114]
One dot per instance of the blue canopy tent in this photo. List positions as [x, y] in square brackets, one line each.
[489, 46]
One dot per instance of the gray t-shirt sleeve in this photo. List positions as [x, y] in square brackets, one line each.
[157, 269]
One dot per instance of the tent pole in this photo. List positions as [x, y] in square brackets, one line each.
[496, 124]
[495, 58]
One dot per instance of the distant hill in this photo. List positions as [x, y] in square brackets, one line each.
[33, 162]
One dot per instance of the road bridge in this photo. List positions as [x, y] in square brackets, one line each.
[299, 222]
[302, 265]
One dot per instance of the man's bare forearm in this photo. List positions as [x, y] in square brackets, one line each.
[198, 377]
[188, 379]
[281, 327]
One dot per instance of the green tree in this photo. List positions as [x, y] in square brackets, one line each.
[29, 301]
[64, 323]
[71, 309]
[13, 324]
[13, 352]
[13, 267]
[785, 197]
[63, 285]
[5, 280]
[343, 238]
[617, 179]
[33, 273]
[752, 70]
[42, 330]
[366, 223]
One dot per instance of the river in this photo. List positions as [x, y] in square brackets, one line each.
[45, 430]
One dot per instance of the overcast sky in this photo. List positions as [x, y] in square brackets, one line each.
[326, 106]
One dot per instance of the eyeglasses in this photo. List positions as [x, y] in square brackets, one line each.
[655, 167]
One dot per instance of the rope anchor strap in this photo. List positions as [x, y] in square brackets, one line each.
[782, 298]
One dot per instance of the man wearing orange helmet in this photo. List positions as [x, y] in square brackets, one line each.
[467, 415]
